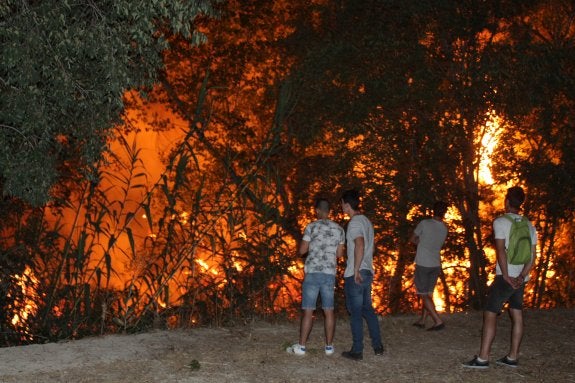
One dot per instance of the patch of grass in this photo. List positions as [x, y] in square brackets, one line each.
[194, 365]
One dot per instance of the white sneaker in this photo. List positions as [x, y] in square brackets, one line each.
[297, 349]
[329, 350]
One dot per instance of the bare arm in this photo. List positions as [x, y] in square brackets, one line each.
[414, 239]
[303, 248]
[358, 257]
[340, 251]
[528, 266]
[502, 260]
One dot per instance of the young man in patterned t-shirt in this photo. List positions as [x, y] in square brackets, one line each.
[323, 241]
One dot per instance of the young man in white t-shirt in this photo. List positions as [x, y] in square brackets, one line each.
[508, 286]
[358, 277]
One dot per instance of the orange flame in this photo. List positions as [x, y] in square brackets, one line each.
[26, 283]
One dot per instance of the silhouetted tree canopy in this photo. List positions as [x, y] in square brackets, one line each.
[64, 67]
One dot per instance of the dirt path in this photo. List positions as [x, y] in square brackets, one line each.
[255, 353]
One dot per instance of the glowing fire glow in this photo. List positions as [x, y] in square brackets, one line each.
[489, 139]
[26, 283]
[206, 267]
[285, 287]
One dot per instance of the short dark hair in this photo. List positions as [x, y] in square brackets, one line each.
[515, 195]
[351, 197]
[322, 204]
[439, 209]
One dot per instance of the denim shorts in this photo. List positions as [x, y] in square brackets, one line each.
[426, 279]
[501, 292]
[315, 284]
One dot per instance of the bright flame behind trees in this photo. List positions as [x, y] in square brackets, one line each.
[25, 306]
[489, 137]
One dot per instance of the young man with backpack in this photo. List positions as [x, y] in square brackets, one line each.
[515, 243]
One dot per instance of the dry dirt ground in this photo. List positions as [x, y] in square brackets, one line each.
[255, 352]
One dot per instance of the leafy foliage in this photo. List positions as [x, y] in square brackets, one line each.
[64, 67]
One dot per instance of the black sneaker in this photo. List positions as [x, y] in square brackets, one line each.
[352, 355]
[378, 350]
[505, 361]
[474, 363]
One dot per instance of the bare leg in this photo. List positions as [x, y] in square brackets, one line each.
[516, 332]
[430, 308]
[423, 314]
[329, 326]
[488, 334]
[305, 327]
[421, 320]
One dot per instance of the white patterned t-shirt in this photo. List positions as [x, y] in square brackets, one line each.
[324, 236]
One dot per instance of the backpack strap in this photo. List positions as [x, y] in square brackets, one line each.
[511, 219]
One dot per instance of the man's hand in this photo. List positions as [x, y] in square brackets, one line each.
[519, 280]
[357, 277]
[514, 282]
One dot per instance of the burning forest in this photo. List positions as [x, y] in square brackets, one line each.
[160, 173]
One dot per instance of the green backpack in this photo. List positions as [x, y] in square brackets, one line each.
[519, 247]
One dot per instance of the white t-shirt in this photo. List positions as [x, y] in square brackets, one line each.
[432, 234]
[359, 226]
[501, 229]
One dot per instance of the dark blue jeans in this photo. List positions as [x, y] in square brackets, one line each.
[358, 302]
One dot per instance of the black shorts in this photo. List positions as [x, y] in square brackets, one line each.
[501, 292]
